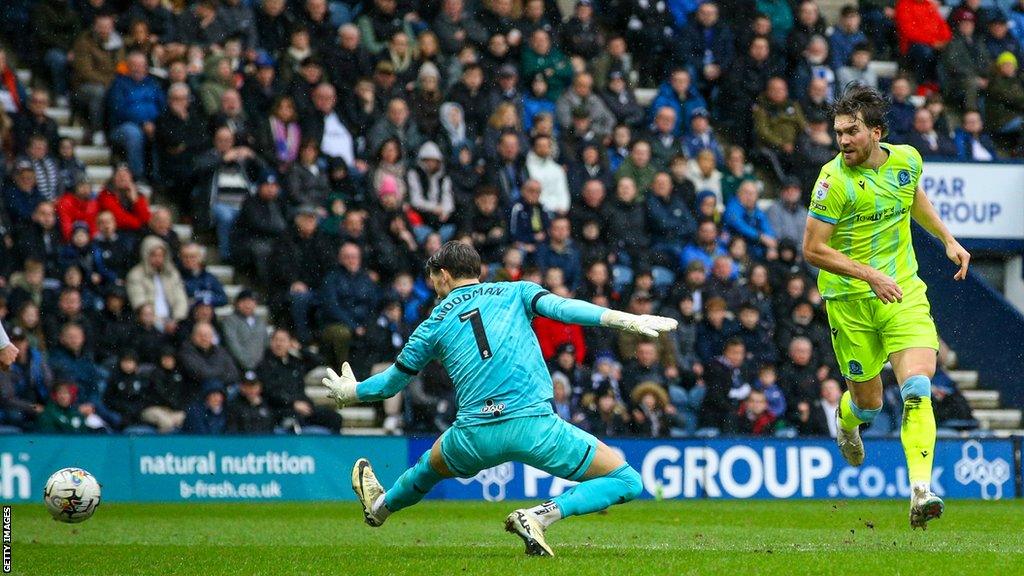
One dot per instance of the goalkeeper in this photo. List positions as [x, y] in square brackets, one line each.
[481, 333]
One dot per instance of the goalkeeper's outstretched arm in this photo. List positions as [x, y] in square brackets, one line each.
[573, 311]
[345, 389]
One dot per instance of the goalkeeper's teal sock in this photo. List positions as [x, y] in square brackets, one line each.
[412, 485]
[621, 485]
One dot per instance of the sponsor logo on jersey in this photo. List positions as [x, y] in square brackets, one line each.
[891, 212]
[903, 177]
[491, 408]
[822, 190]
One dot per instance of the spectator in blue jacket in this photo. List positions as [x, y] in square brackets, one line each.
[704, 248]
[200, 285]
[207, 416]
[21, 195]
[714, 330]
[708, 47]
[529, 221]
[348, 302]
[71, 360]
[900, 117]
[702, 136]
[768, 382]
[669, 221]
[135, 101]
[971, 142]
[560, 252]
[743, 217]
[681, 95]
[999, 39]
[845, 36]
[30, 382]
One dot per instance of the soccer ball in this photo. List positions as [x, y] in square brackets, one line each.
[71, 495]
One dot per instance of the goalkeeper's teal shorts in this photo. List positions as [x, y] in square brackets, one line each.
[545, 442]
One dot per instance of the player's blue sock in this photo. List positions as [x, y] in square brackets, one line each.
[621, 485]
[412, 485]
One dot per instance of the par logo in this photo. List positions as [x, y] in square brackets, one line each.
[493, 480]
[903, 177]
[822, 190]
[989, 474]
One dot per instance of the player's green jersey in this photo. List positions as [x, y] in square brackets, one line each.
[871, 213]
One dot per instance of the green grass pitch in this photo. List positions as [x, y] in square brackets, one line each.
[672, 537]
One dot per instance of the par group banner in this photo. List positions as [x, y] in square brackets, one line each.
[189, 468]
[282, 468]
[762, 468]
[978, 200]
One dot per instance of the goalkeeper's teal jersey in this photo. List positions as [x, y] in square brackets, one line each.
[482, 334]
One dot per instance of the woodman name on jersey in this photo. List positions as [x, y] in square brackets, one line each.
[459, 299]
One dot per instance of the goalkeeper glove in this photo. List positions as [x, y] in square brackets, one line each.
[647, 325]
[342, 387]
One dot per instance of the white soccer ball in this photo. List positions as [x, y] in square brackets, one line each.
[71, 495]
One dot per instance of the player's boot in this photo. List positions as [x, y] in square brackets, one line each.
[924, 506]
[850, 444]
[367, 489]
[525, 525]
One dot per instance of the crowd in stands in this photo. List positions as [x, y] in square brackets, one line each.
[326, 148]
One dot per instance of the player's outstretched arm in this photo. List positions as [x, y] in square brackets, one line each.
[586, 314]
[818, 253]
[924, 214]
[345, 389]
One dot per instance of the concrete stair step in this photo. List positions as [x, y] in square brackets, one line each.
[224, 311]
[76, 133]
[98, 175]
[354, 415]
[359, 431]
[999, 418]
[982, 398]
[644, 96]
[965, 379]
[184, 232]
[232, 290]
[223, 272]
[884, 68]
[93, 155]
[61, 115]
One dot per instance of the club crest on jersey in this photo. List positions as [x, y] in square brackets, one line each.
[822, 190]
[903, 177]
[856, 369]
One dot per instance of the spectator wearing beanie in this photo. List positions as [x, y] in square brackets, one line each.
[156, 282]
[430, 193]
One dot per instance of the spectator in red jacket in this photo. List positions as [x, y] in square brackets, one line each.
[922, 33]
[552, 335]
[122, 198]
[77, 205]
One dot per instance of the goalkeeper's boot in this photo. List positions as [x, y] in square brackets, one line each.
[924, 506]
[367, 489]
[525, 525]
[850, 444]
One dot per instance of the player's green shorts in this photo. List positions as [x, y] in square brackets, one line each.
[545, 442]
[866, 331]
